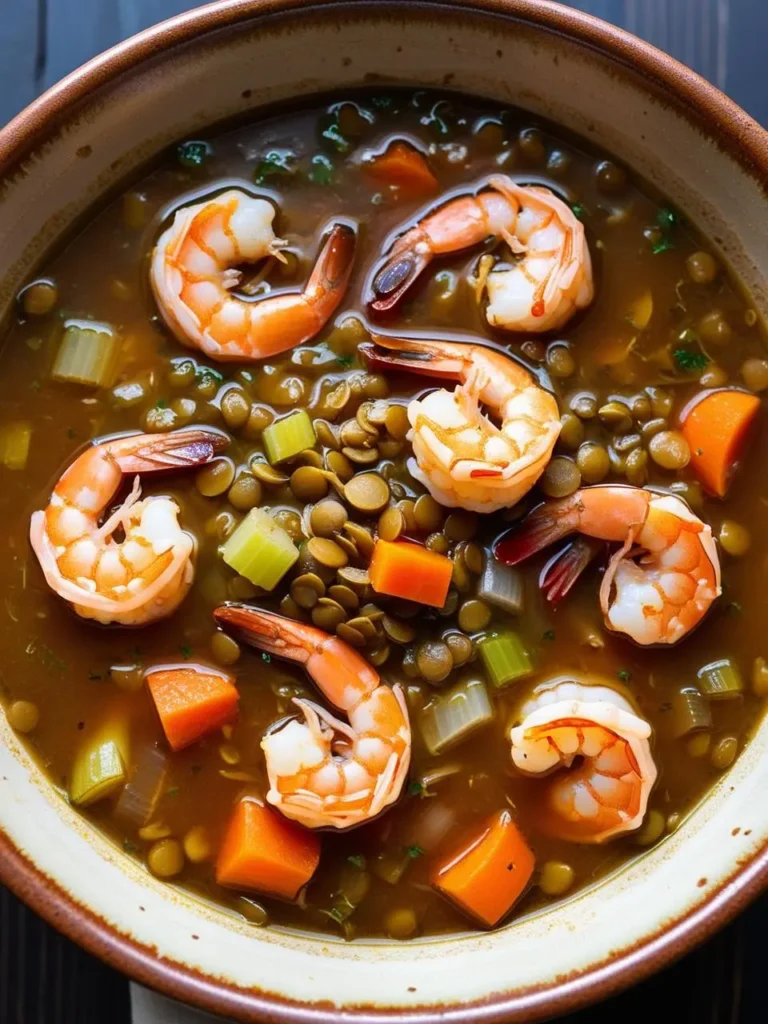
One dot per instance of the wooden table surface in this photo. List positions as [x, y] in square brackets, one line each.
[45, 979]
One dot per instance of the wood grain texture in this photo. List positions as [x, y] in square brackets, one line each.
[45, 979]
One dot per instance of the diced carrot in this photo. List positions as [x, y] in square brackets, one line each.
[262, 850]
[404, 166]
[402, 569]
[716, 426]
[192, 701]
[489, 872]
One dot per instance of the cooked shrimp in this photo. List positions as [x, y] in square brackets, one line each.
[549, 279]
[606, 793]
[325, 773]
[194, 269]
[144, 576]
[664, 577]
[460, 455]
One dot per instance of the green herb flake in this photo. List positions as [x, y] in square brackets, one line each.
[345, 361]
[129, 846]
[173, 792]
[266, 657]
[688, 359]
[276, 163]
[71, 434]
[186, 651]
[662, 245]
[204, 375]
[667, 219]
[321, 169]
[549, 634]
[578, 210]
[161, 404]
[357, 860]
[193, 153]
[95, 675]
[414, 852]
[417, 788]
[624, 675]
[332, 135]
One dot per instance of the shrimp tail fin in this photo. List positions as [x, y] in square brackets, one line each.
[396, 276]
[329, 278]
[563, 569]
[268, 631]
[548, 523]
[175, 450]
[440, 360]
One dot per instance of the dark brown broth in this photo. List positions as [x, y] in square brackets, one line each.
[62, 664]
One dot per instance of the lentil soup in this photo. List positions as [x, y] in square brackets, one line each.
[300, 488]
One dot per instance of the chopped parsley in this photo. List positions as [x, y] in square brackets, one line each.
[266, 657]
[129, 847]
[205, 375]
[276, 163]
[549, 634]
[357, 860]
[414, 851]
[345, 361]
[321, 169]
[624, 675]
[578, 210]
[667, 219]
[689, 359]
[186, 651]
[193, 153]
[161, 404]
[332, 135]
[416, 788]
[662, 245]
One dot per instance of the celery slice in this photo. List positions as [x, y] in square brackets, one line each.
[502, 586]
[14, 444]
[690, 711]
[99, 768]
[87, 354]
[260, 550]
[289, 436]
[721, 680]
[455, 714]
[505, 658]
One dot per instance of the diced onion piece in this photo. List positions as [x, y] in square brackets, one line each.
[690, 711]
[505, 658]
[14, 444]
[455, 714]
[99, 768]
[138, 801]
[260, 550]
[501, 585]
[289, 436]
[87, 354]
[721, 680]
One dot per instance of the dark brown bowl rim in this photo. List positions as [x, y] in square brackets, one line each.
[747, 143]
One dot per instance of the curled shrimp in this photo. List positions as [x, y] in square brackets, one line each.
[193, 272]
[664, 577]
[144, 576]
[461, 456]
[323, 772]
[606, 792]
[549, 279]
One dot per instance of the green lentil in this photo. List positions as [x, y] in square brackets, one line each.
[556, 878]
[224, 648]
[560, 478]
[734, 538]
[474, 615]
[593, 462]
[245, 493]
[23, 716]
[427, 513]
[724, 752]
[434, 660]
[215, 478]
[571, 431]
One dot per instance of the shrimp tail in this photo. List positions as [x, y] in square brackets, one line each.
[548, 523]
[399, 271]
[414, 355]
[176, 450]
[564, 568]
[328, 281]
[268, 631]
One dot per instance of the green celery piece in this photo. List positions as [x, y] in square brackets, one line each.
[289, 436]
[14, 444]
[690, 711]
[452, 716]
[99, 768]
[505, 658]
[260, 550]
[87, 354]
[721, 680]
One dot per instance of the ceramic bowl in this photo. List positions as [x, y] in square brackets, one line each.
[227, 60]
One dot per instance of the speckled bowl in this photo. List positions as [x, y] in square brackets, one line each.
[230, 58]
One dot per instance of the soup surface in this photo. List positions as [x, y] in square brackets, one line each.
[667, 323]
